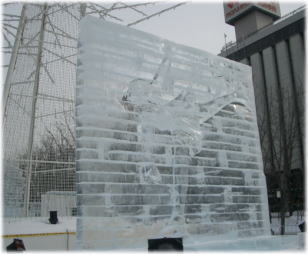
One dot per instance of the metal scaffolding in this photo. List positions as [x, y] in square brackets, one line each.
[39, 97]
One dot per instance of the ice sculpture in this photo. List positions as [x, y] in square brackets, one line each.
[167, 142]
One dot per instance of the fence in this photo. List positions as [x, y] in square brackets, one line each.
[39, 98]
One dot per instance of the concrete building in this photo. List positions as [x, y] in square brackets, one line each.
[275, 49]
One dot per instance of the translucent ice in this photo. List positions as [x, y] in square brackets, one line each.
[167, 142]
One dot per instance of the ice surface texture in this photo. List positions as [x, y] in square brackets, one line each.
[167, 142]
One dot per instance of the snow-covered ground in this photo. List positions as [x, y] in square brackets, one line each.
[37, 225]
[41, 225]
[38, 235]
[267, 243]
[291, 223]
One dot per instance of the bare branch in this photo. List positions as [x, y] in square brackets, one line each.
[55, 34]
[62, 57]
[156, 14]
[133, 8]
[7, 40]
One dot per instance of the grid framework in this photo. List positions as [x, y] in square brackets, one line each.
[39, 99]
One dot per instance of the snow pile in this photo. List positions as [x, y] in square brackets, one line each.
[167, 142]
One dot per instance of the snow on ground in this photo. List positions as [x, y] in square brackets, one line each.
[41, 225]
[268, 243]
[37, 225]
[291, 223]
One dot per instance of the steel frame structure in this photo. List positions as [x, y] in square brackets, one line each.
[42, 47]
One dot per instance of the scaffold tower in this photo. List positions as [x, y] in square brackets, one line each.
[39, 98]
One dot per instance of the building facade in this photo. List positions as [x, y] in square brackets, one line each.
[276, 53]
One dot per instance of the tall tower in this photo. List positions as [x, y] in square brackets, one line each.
[248, 18]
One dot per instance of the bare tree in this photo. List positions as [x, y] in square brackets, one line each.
[279, 137]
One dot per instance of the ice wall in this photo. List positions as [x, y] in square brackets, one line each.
[167, 142]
